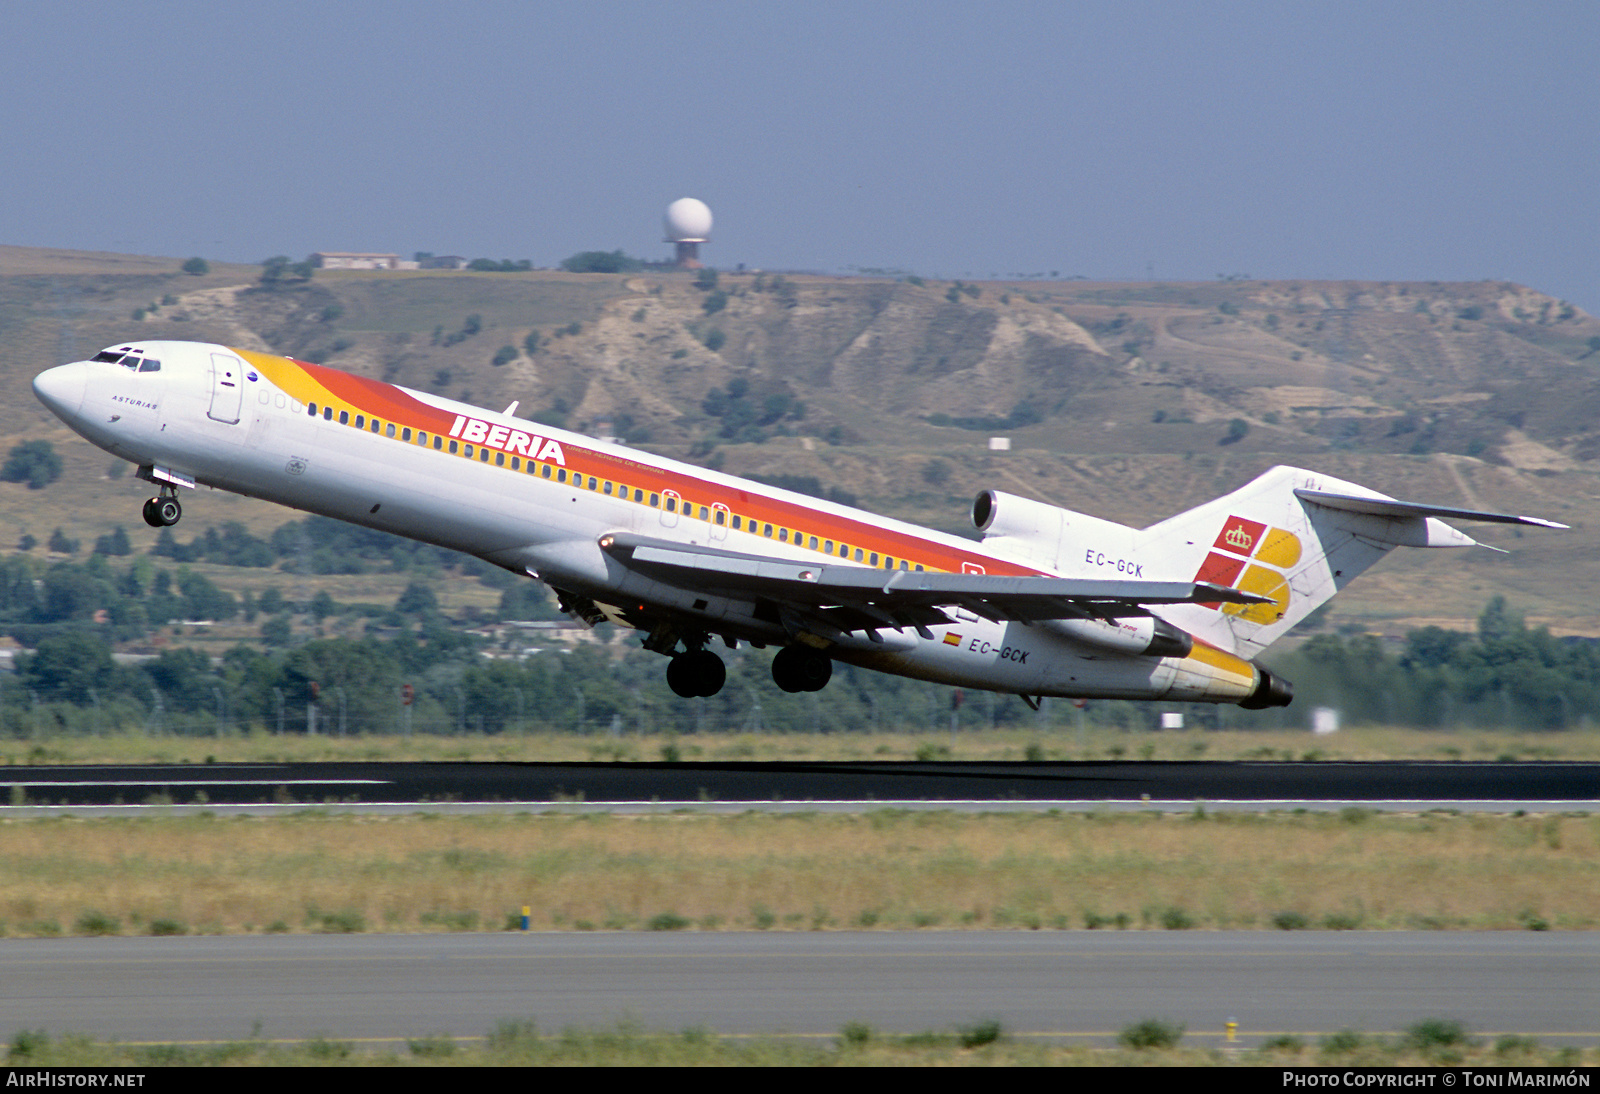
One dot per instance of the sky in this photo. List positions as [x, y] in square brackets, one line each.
[1123, 140]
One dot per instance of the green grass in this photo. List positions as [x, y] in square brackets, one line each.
[319, 872]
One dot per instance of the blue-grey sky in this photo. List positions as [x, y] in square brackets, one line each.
[1421, 141]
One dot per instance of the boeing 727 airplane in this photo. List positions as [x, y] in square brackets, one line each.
[1051, 602]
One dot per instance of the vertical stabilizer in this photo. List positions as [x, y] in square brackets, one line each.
[1272, 537]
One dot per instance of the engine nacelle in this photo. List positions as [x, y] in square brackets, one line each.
[1047, 534]
[1141, 635]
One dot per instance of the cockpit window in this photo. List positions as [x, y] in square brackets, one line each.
[129, 358]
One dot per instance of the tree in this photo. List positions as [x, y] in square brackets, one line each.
[504, 356]
[601, 262]
[32, 462]
[197, 267]
[114, 544]
[61, 544]
[280, 270]
[66, 666]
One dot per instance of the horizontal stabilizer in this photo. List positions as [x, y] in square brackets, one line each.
[1388, 507]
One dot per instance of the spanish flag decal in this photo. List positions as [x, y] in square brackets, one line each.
[951, 638]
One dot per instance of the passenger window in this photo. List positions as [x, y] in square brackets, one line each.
[638, 495]
[722, 518]
[672, 505]
[454, 449]
[783, 535]
[766, 530]
[736, 523]
[311, 408]
[466, 449]
[361, 421]
[874, 558]
[814, 545]
[438, 442]
[608, 490]
[499, 458]
[483, 455]
[546, 472]
[388, 430]
[561, 476]
[516, 463]
[327, 413]
[344, 417]
[705, 514]
[858, 557]
[376, 425]
[655, 501]
[594, 483]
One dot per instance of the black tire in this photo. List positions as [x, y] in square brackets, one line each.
[169, 511]
[801, 668]
[699, 673]
[710, 672]
[151, 517]
[682, 678]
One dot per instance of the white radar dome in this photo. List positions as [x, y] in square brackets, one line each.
[688, 221]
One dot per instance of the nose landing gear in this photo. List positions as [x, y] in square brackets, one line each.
[163, 511]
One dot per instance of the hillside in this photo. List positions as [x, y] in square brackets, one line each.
[1126, 400]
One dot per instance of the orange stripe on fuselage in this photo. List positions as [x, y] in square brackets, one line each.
[309, 383]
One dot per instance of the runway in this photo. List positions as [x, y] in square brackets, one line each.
[1408, 785]
[1075, 985]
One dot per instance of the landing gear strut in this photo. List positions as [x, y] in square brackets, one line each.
[698, 672]
[801, 668]
[163, 511]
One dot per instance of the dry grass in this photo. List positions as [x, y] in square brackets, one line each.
[520, 1043]
[1361, 743]
[314, 872]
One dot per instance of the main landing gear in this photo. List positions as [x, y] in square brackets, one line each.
[701, 673]
[696, 673]
[163, 511]
[801, 668]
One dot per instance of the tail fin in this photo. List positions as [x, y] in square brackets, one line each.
[1295, 536]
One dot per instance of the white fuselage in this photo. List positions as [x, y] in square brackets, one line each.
[537, 500]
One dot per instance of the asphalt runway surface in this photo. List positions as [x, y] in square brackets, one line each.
[1410, 784]
[1076, 985]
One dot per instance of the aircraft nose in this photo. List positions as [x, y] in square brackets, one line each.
[62, 388]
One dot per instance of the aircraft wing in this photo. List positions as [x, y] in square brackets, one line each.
[849, 598]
